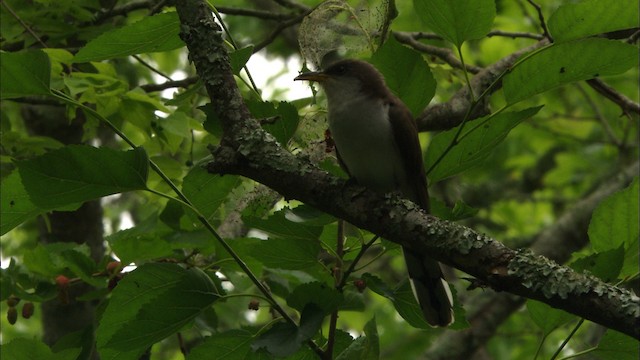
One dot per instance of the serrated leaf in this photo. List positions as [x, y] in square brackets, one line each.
[283, 118]
[284, 339]
[290, 254]
[614, 224]
[151, 34]
[15, 205]
[208, 191]
[459, 20]
[591, 17]
[476, 142]
[546, 317]
[278, 225]
[78, 173]
[617, 346]
[406, 73]
[364, 347]
[140, 243]
[229, 345]
[24, 73]
[29, 349]
[151, 303]
[605, 265]
[568, 62]
[322, 295]
[239, 58]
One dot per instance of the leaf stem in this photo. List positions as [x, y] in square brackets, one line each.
[564, 343]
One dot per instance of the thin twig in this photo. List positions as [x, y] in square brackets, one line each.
[598, 114]
[444, 54]
[24, 25]
[626, 104]
[515, 34]
[170, 84]
[511, 34]
[634, 37]
[260, 14]
[543, 24]
[269, 39]
[292, 5]
[148, 66]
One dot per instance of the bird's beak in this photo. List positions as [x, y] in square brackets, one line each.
[318, 76]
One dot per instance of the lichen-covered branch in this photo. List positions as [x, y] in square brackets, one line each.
[249, 151]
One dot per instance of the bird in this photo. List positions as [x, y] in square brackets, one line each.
[376, 141]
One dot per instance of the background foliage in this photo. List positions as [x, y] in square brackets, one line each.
[86, 116]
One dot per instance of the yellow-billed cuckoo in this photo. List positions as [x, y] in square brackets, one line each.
[377, 143]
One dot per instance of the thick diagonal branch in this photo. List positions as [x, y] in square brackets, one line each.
[249, 151]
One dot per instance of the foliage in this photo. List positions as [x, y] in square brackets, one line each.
[550, 140]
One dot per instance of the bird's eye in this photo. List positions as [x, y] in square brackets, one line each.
[340, 69]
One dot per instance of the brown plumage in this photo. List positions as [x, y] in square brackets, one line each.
[377, 143]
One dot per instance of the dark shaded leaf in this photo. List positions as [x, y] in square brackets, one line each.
[24, 73]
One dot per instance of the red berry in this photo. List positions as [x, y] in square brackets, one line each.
[360, 284]
[62, 281]
[13, 301]
[113, 267]
[254, 305]
[12, 315]
[27, 310]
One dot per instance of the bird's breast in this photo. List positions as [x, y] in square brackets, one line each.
[364, 138]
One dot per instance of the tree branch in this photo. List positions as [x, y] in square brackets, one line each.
[447, 115]
[488, 310]
[247, 150]
[627, 105]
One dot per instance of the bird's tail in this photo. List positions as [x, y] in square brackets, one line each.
[430, 288]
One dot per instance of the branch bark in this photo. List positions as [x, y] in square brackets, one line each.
[247, 150]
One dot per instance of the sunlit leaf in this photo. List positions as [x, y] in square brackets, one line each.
[591, 17]
[564, 63]
[459, 20]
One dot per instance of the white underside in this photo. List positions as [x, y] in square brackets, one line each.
[363, 135]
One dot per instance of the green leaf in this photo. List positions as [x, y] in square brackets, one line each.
[24, 73]
[239, 58]
[605, 265]
[15, 205]
[546, 317]
[142, 242]
[151, 34]
[617, 346]
[282, 121]
[457, 21]
[287, 253]
[78, 173]
[208, 191]
[476, 142]
[614, 224]
[364, 347]
[284, 339]
[323, 296]
[151, 303]
[29, 349]
[563, 63]
[591, 17]
[229, 345]
[280, 225]
[402, 299]
[406, 73]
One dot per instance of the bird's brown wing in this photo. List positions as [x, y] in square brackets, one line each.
[405, 133]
